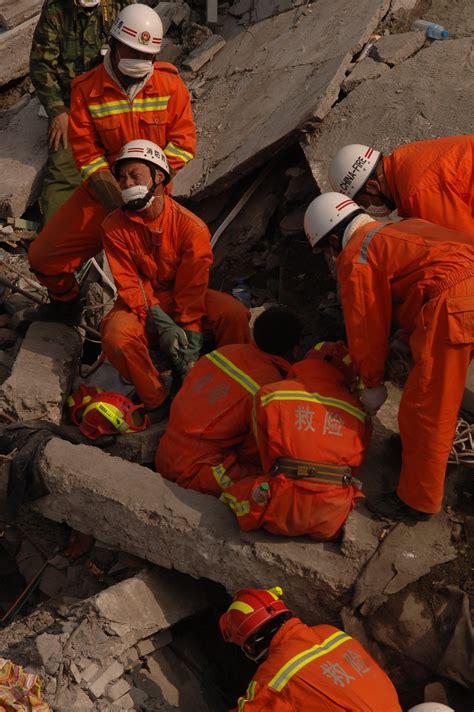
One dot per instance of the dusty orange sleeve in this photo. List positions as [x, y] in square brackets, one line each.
[192, 277]
[442, 204]
[367, 305]
[86, 146]
[265, 700]
[181, 133]
[124, 271]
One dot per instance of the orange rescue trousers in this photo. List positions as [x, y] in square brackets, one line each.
[126, 342]
[442, 347]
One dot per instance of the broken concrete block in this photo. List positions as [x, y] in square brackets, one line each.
[292, 224]
[364, 116]
[117, 689]
[7, 338]
[185, 530]
[138, 447]
[241, 7]
[53, 582]
[280, 91]
[368, 68]
[15, 46]
[22, 157]
[138, 696]
[123, 703]
[181, 14]
[169, 51]
[47, 359]
[98, 685]
[145, 647]
[90, 672]
[15, 12]
[165, 637]
[204, 53]
[165, 10]
[361, 534]
[406, 554]
[393, 49]
[457, 17]
[267, 8]
[50, 651]
[28, 560]
[399, 9]
[73, 699]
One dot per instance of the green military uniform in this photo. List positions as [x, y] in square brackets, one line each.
[67, 41]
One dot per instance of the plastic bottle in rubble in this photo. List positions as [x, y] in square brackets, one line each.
[431, 29]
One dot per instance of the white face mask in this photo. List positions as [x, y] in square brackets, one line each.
[88, 4]
[135, 68]
[133, 197]
[378, 211]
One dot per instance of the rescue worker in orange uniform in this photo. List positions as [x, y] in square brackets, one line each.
[433, 180]
[159, 255]
[302, 668]
[126, 97]
[208, 443]
[312, 435]
[419, 277]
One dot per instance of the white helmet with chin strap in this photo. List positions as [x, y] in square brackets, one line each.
[351, 167]
[430, 707]
[139, 27]
[142, 150]
[325, 213]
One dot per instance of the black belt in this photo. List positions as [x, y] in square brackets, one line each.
[308, 470]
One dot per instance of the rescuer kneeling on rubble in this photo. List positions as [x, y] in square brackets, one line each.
[420, 278]
[159, 254]
[433, 180]
[209, 444]
[312, 436]
[302, 668]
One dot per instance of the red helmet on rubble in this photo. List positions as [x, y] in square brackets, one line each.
[112, 413]
[78, 400]
[336, 353]
[249, 611]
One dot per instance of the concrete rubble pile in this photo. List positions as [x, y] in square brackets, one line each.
[275, 80]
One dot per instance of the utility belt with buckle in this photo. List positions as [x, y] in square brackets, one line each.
[339, 475]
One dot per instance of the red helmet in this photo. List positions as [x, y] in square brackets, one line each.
[250, 609]
[112, 413]
[336, 353]
[78, 400]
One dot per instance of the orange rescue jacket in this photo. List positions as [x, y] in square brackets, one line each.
[103, 119]
[210, 415]
[319, 669]
[387, 272]
[434, 180]
[165, 260]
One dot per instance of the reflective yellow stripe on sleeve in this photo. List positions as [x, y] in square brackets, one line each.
[239, 508]
[172, 150]
[231, 370]
[315, 398]
[221, 477]
[122, 106]
[93, 166]
[249, 695]
[299, 661]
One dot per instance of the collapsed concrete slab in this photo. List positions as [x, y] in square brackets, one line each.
[368, 68]
[15, 46]
[23, 156]
[270, 80]
[416, 100]
[43, 373]
[130, 506]
[15, 12]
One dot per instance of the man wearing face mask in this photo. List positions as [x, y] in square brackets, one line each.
[432, 180]
[68, 40]
[159, 254]
[127, 96]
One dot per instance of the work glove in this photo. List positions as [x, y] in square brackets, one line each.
[172, 338]
[191, 355]
[106, 190]
[373, 398]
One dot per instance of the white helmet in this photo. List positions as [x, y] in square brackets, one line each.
[351, 167]
[139, 27]
[430, 707]
[143, 150]
[326, 212]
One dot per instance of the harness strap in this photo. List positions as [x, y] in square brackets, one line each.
[309, 470]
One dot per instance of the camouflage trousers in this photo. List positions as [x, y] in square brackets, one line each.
[61, 178]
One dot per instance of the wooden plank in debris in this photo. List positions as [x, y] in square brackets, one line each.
[204, 53]
[15, 46]
[15, 12]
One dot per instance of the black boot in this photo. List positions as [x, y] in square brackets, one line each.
[64, 312]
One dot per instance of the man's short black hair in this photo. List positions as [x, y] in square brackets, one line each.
[277, 331]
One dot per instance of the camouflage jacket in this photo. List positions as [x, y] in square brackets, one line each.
[67, 42]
